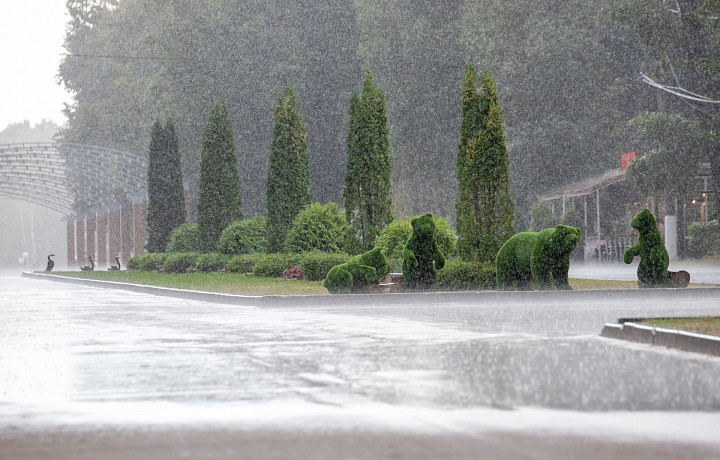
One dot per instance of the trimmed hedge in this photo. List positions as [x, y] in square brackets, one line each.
[211, 262]
[180, 262]
[317, 227]
[151, 262]
[316, 265]
[185, 238]
[243, 263]
[273, 265]
[248, 236]
[458, 275]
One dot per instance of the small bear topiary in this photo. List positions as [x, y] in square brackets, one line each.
[357, 273]
[421, 255]
[538, 260]
[654, 260]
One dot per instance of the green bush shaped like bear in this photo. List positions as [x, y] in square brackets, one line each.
[357, 273]
[537, 260]
[421, 255]
[654, 260]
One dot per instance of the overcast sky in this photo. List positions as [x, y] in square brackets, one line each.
[31, 38]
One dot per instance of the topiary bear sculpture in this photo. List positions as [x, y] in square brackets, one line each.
[538, 260]
[654, 260]
[357, 273]
[421, 255]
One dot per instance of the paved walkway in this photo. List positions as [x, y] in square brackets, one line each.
[88, 372]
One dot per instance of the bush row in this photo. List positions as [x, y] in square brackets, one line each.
[456, 276]
[314, 265]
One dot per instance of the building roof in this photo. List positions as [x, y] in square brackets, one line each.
[585, 187]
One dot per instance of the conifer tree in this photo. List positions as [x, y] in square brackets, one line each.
[219, 202]
[166, 196]
[368, 170]
[288, 180]
[484, 208]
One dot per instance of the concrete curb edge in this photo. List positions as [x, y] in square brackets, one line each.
[664, 337]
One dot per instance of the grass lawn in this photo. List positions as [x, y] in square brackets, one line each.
[228, 283]
[234, 283]
[705, 325]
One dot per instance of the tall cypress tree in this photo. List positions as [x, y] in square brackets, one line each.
[484, 208]
[166, 196]
[288, 180]
[219, 202]
[368, 170]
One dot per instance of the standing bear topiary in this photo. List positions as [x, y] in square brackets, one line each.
[654, 260]
[537, 260]
[421, 255]
[357, 273]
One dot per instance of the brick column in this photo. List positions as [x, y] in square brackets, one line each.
[113, 236]
[90, 227]
[126, 233]
[80, 242]
[139, 228]
[70, 236]
[102, 230]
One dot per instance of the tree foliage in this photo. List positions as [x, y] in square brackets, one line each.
[288, 180]
[484, 207]
[368, 175]
[219, 201]
[166, 195]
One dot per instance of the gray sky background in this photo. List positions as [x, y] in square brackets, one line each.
[31, 38]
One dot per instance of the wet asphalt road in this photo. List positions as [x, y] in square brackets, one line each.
[351, 377]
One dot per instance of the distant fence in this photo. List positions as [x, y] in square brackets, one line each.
[607, 249]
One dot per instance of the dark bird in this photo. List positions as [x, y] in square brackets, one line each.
[88, 267]
[51, 263]
[115, 267]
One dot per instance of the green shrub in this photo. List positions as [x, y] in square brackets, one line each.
[458, 275]
[272, 265]
[180, 262]
[185, 238]
[541, 217]
[317, 228]
[422, 256]
[211, 262]
[316, 265]
[357, 273]
[392, 240]
[150, 262]
[248, 236]
[243, 263]
[704, 239]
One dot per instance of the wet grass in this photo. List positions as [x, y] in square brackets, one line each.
[704, 325]
[234, 283]
[228, 283]
[587, 284]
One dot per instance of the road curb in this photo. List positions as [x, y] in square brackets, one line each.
[393, 298]
[630, 330]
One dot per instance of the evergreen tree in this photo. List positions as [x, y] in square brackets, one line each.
[166, 196]
[484, 208]
[219, 202]
[288, 180]
[368, 174]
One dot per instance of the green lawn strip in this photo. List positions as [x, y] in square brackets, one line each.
[234, 283]
[704, 325]
[579, 284]
[228, 283]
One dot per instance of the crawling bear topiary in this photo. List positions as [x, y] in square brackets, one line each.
[654, 260]
[357, 273]
[538, 260]
[421, 255]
